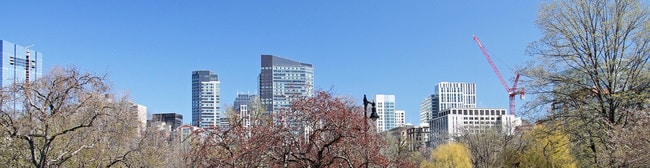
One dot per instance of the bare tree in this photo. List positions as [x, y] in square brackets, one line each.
[591, 70]
[633, 142]
[319, 131]
[335, 134]
[64, 120]
[491, 147]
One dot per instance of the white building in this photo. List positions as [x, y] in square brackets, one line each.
[140, 113]
[400, 116]
[386, 111]
[447, 95]
[426, 109]
[457, 121]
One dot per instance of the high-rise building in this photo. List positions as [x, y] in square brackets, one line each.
[206, 94]
[426, 109]
[282, 79]
[174, 120]
[19, 64]
[385, 111]
[140, 114]
[245, 105]
[400, 116]
[447, 95]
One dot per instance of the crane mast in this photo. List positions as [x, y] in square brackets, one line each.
[512, 91]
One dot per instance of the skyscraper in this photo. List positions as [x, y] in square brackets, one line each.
[385, 111]
[426, 109]
[281, 79]
[205, 99]
[19, 64]
[448, 95]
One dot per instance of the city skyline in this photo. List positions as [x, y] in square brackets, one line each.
[358, 48]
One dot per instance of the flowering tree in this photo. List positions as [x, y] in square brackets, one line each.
[319, 131]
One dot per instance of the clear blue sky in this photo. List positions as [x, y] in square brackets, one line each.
[149, 48]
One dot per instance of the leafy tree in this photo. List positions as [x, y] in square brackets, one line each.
[591, 71]
[491, 147]
[450, 155]
[546, 148]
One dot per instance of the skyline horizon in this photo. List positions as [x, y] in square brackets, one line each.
[225, 105]
[384, 47]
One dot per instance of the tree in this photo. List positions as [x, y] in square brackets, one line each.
[64, 120]
[334, 134]
[397, 149]
[319, 131]
[490, 147]
[546, 148]
[633, 142]
[449, 155]
[238, 145]
[591, 70]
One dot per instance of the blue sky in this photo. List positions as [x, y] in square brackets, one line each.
[149, 48]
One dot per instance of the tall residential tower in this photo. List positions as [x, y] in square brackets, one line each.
[386, 112]
[447, 95]
[281, 79]
[19, 64]
[205, 99]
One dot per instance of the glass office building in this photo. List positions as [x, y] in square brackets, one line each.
[206, 100]
[282, 79]
[19, 64]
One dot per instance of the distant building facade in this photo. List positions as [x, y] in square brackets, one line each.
[418, 136]
[245, 106]
[458, 121]
[174, 120]
[447, 95]
[400, 118]
[282, 79]
[386, 111]
[426, 109]
[19, 64]
[140, 114]
[206, 99]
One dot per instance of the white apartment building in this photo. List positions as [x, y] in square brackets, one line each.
[386, 110]
[447, 95]
[400, 118]
[140, 113]
[457, 121]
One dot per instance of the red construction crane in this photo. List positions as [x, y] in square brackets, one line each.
[512, 91]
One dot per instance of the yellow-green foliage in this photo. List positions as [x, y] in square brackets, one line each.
[546, 148]
[450, 155]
